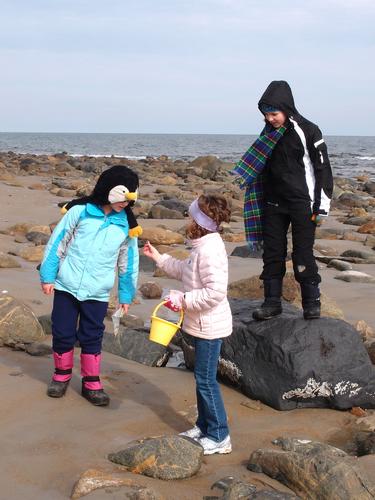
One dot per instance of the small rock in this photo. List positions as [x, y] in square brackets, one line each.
[166, 457]
[151, 290]
[357, 411]
[252, 404]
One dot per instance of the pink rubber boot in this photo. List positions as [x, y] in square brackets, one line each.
[63, 373]
[92, 388]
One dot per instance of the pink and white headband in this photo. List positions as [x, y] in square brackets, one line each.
[201, 218]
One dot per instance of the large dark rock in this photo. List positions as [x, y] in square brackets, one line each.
[166, 457]
[313, 470]
[289, 363]
[134, 344]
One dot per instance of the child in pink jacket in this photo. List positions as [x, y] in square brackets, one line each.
[208, 318]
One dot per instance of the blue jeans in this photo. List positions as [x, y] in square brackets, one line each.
[212, 419]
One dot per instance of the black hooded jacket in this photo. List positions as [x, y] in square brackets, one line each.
[298, 175]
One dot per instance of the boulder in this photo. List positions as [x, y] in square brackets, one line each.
[353, 200]
[370, 347]
[160, 212]
[252, 288]
[6, 261]
[37, 237]
[18, 323]
[151, 290]
[340, 265]
[355, 277]
[313, 470]
[177, 253]
[235, 489]
[46, 322]
[287, 362]
[174, 204]
[160, 236]
[367, 228]
[133, 344]
[166, 457]
[370, 187]
[38, 349]
[31, 254]
[360, 254]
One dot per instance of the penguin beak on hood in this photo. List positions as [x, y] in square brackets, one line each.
[131, 196]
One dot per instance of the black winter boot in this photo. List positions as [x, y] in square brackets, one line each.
[272, 300]
[97, 397]
[57, 389]
[310, 300]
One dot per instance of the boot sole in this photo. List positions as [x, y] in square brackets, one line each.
[222, 451]
[96, 403]
[265, 318]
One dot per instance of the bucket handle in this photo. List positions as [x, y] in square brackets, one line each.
[161, 304]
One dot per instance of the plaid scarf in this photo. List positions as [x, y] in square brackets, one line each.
[249, 169]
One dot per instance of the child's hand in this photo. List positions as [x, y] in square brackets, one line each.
[47, 288]
[317, 220]
[124, 307]
[174, 300]
[151, 251]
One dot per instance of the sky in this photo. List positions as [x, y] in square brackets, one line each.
[176, 66]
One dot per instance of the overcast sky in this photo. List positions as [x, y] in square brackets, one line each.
[176, 66]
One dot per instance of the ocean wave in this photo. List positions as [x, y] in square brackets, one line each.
[128, 157]
[365, 157]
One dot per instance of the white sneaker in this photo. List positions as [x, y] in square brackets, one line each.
[193, 433]
[210, 447]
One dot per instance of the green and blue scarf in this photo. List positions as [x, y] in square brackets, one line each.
[250, 171]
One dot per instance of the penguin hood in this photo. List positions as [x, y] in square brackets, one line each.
[118, 183]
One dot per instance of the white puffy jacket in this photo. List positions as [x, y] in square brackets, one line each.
[204, 275]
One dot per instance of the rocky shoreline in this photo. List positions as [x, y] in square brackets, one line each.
[31, 189]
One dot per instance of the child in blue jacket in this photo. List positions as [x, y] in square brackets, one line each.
[79, 265]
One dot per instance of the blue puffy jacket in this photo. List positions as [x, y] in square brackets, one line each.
[84, 250]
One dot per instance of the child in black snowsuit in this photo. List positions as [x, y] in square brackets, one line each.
[297, 188]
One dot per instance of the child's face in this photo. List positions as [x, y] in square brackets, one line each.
[276, 119]
[119, 205]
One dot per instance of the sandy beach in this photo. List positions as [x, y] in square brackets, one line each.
[47, 443]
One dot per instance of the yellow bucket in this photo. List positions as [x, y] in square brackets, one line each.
[161, 330]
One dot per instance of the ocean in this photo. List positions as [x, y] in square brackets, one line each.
[349, 155]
